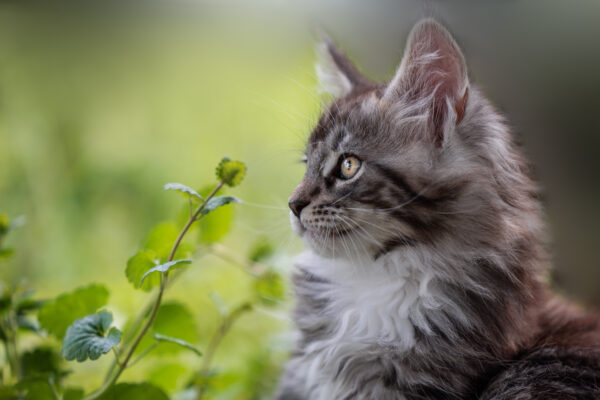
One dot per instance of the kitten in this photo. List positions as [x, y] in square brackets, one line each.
[425, 275]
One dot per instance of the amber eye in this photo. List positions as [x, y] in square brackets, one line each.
[349, 166]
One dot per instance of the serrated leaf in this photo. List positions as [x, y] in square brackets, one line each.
[185, 190]
[261, 250]
[270, 288]
[134, 391]
[217, 202]
[164, 267]
[90, 337]
[137, 266]
[55, 316]
[231, 172]
[182, 343]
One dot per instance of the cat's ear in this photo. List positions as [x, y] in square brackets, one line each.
[336, 74]
[433, 72]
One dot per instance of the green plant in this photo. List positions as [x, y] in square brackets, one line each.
[78, 318]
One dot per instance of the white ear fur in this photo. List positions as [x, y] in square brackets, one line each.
[331, 79]
[433, 71]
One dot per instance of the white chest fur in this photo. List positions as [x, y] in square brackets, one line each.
[371, 305]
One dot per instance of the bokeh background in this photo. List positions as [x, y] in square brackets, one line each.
[101, 103]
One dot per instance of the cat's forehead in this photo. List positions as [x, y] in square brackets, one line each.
[346, 120]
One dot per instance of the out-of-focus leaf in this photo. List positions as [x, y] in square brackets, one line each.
[176, 320]
[4, 224]
[230, 172]
[134, 391]
[28, 324]
[215, 226]
[217, 202]
[56, 315]
[35, 389]
[5, 302]
[138, 266]
[170, 377]
[8, 393]
[73, 394]
[270, 288]
[27, 304]
[160, 240]
[164, 267]
[261, 250]
[41, 360]
[219, 303]
[183, 343]
[6, 253]
[90, 337]
[185, 190]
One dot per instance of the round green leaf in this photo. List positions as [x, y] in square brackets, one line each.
[90, 337]
[56, 315]
[231, 172]
[140, 264]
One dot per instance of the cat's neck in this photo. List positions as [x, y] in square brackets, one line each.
[405, 301]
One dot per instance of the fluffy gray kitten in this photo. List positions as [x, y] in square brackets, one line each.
[425, 275]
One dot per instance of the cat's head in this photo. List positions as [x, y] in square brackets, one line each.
[422, 160]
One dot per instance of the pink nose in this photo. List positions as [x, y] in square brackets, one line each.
[296, 206]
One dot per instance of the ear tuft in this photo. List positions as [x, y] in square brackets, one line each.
[433, 71]
[336, 75]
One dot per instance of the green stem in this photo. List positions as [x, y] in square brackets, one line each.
[144, 353]
[215, 341]
[55, 393]
[164, 277]
[12, 352]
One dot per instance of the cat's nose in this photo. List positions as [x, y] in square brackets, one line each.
[297, 206]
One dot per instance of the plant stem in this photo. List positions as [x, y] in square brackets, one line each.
[164, 277]
[192, 220]
[215, 341]
[12, 354]
[55, 393]
[143, 353]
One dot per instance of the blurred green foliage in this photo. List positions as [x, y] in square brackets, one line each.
[98, 110]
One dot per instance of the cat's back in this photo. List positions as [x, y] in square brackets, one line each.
[563, 361]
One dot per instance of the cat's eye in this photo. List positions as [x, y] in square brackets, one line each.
[349, 166]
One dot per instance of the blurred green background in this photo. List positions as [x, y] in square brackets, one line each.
[101, 104]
